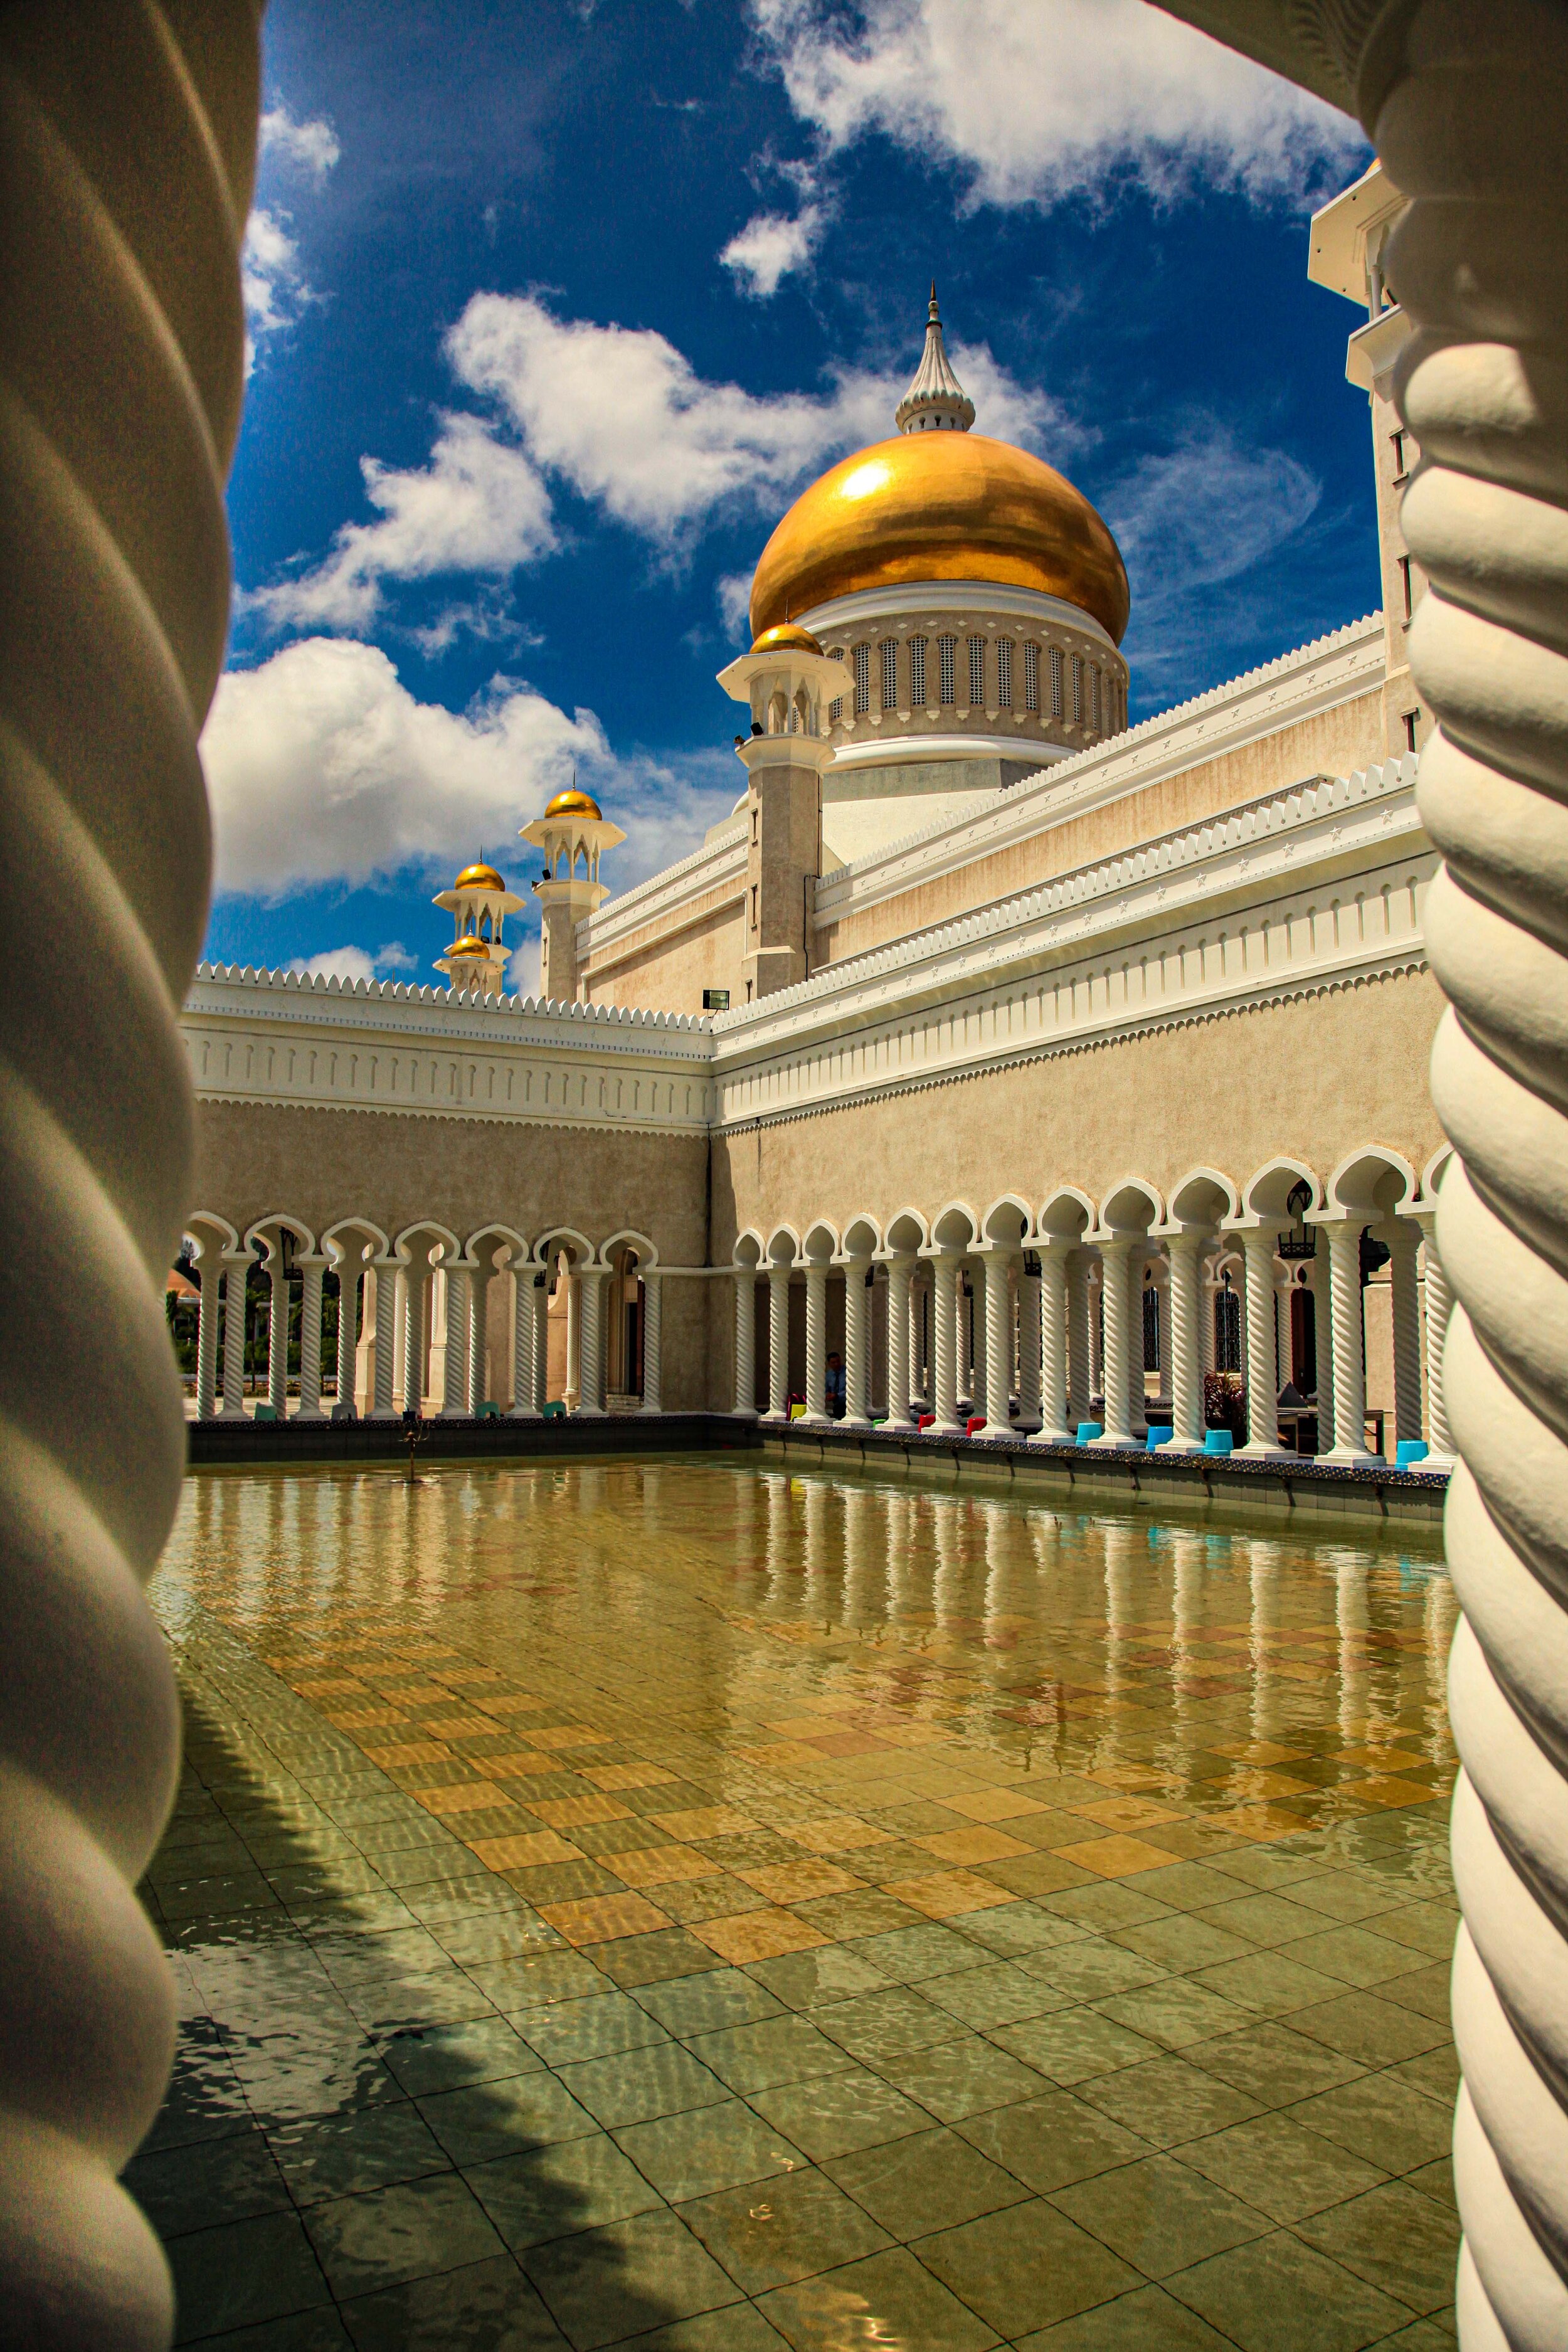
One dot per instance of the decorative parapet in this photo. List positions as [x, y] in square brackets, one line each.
[214, 980]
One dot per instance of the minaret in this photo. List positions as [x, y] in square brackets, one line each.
[479, 903]
[573, 833]
[936, 401]
[1348, 255]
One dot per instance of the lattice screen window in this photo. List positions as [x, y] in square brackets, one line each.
[947, 664]
[861, 657]
[917, 673]
[1056, 681]
[1094, 697]
[1032, 678]
[835, 711]
[889, 674]
[1076, 668]
[1004, 673]
[977, 672]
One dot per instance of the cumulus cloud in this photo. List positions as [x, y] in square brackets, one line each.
[323, 767]
[771, 247]
[1032, 100]
[734, 594]
[356, 963]
[477, 506]
[272, 276]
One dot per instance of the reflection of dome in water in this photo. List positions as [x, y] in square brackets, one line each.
[572, 803]
[478, 877]
[939, 502]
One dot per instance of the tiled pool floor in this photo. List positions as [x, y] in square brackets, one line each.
[688, 1905]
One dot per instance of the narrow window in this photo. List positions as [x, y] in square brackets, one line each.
[755, 886]
[1076, 666]
[1056, 681]
[861, 657]
[977, 672]
[756, 815]
[1004, 673]
[1094, 700]
[889, 674]
[1411, 722]
[1150, 1328]
[1396, 443]
[917, 673]
[1032, 678]
[947, 662]
[1226, 1329]
[835, 711]
[1405, 584]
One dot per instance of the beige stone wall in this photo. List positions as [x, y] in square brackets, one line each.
[668, 974]
[1333, 742]
[1311, 1079]
[256, 1159]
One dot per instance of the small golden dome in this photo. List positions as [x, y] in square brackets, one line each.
[464, 950]
[572, 803]
[478, 877]
[940, 506]
[786, 637]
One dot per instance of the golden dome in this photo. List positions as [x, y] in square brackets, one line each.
[464, 950]
[940, 506]
[478, 877]
[788, 637]
[572, 802]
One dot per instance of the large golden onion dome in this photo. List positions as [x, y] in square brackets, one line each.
[478, 877]
[572, 803]
[940, 506]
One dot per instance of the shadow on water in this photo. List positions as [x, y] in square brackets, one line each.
[357, 2147]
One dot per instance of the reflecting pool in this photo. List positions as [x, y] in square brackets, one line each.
[693, 1904]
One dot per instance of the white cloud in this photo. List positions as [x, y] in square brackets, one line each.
[734, 594]
[323, 767]
[272, 277]
[478, 506]
[771, 247]
[1035, 99]
[310, 148]
[356, 963]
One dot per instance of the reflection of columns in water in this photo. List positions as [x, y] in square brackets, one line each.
[901, 1528]
[1265, 1559]
[947, 1575]
[1439, 1615]
[1188, 1553]
[777, 1550]
[1353, 1616]
[862, 1566]
[1003, 1540]
[816, 1551]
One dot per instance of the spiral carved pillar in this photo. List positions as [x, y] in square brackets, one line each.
[900, 1382]
[591, 1344]
[526, 1340]
[383, 1339]
[1115, 1260]
[457, 1281]
[1187, 1297]
[1029, 1358]
[998, 1342]
[310, 1271]
[652, 1342]
[211, 1272]
[1081, 1370]
[1404, 1244]
[278, 1333]
[1262, 1343]
[944, 1341]
[816, 1343]
[856, 1343]
[348, 1327]
[778, 1343]
[745, 1343]
[127, 162]
[236, 1314]
[1055, 1427]
[1439, 1306]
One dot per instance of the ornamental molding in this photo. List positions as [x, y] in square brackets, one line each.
[1300, 685]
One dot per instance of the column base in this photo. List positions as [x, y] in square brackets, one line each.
[1120, 1443]
[1348, 1458]
[945, 1429]
[1182, 1445]
[590, 1412]
[1250, 1452]
[311, 1413]
[523, 1413]
[1045, 1437]
[383, 1413]
[743, 1413]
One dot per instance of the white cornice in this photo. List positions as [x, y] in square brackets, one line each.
[907, 750]
[389, 1009]
[958, 597]
[1317, 678]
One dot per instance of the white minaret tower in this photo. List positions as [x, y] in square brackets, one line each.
[574, 833]
[478, 902]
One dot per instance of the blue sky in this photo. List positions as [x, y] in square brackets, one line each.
[554, 308]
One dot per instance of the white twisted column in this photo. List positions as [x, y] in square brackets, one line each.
[383, 1339]
[923, 1339]
[478, 1383]
[1348, 1341]
[652, 1341]
[456, 1282]
[1137, 1389]
[816, 1341]
[900, 1384]
[1081, 1364]
[415, 1286]
[1115, 1254]
[1056, 1413]
[1438, 1303]
[1403, 1242]
[778, 1343]
[527, 1341]
[971, 1338]
[857, 1344]
[277, 1332]
[347, 1328]
[944, 1341]
[1258, 1249]
[310, 1271]
[1028, 1347]
[1318, 1283]
[127, 167]
[208, 1317]
[591, 1344]
[1474, 129]
[998, 1343]
[236, 1315]
[745, 1342]
[1188, 1298]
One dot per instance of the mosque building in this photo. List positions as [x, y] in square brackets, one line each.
[1038, 1063]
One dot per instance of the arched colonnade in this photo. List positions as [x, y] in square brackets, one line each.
[473, 1320]
[1021, 1322]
